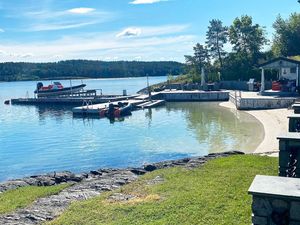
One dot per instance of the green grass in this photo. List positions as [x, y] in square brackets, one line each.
[213, 194]
[22, 197]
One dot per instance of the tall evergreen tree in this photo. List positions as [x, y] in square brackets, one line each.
[201, 55]
[216, 37]
[247, 38]
[287, 36]
[196, 62]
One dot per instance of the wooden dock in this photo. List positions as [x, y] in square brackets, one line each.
[76, 101]
[95, 108]
[151, 104]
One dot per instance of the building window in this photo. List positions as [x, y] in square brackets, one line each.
[293, 70]
[284, 71]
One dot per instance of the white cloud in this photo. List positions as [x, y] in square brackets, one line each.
[138, 2]
[81, 10]
[130, 32]
[60, 26]
[26, 55]
[150, 45]
[47, 20]
[152, 31]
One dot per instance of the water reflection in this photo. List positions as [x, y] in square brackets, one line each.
[57, 112]
[220, 128]
[58, 141]
[92, 117]
[148, 115]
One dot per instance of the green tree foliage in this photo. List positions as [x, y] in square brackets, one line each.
[287, 36]
[217, 36]
[247, 38]
[86, 69]
[196, 62]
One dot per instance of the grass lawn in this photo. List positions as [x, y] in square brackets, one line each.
[22, 197]
[213, 194]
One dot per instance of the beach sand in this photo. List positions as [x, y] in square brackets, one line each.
[274, 121]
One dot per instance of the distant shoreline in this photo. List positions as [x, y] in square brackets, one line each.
[76, 78]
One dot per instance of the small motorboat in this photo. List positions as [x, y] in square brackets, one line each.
[116, 111]
[56, 89]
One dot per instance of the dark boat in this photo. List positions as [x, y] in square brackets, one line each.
[56, 89]
[115, 111]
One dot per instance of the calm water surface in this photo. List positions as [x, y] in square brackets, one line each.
[35, 140]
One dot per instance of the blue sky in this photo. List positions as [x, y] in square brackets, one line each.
[53, 30]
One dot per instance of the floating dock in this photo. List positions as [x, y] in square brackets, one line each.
[71, 100]
[95, 108]
[151, 104]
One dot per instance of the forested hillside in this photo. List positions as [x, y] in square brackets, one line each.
[86, 69]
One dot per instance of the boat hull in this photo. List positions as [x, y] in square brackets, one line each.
[63, 91]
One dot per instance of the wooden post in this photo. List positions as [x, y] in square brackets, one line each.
[202, 77]
[297, 80]
[149, 89]
[262, 86]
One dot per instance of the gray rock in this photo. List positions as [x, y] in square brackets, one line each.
[150, 167]
[95, 172]
[86, 186]
[138, 171]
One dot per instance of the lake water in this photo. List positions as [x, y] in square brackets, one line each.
[35, 140]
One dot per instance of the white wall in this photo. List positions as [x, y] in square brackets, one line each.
[287, 73]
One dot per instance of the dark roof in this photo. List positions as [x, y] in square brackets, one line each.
[280, 59]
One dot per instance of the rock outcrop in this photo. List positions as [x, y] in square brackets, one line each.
[85, 186]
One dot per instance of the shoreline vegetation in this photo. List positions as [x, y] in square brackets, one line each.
[157, 195]
[215, 193]
[87, 69]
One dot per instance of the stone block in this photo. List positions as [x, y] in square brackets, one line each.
[261, 206]
[294, 223]
[276, 200]
[283, 145]
[284, 158]
[283, 172]
[294, 143]
[259, 220]
[293, 123]
[279, 205]
[295, 211]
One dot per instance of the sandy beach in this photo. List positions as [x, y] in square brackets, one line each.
[274, 121]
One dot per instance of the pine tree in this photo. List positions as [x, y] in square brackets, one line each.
[217, 36]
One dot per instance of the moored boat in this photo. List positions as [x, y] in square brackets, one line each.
[115, 111]
[56, 89]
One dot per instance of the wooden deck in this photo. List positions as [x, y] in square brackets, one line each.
[79, 101]
[151, 104]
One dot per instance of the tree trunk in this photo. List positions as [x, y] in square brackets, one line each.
[219, 53]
